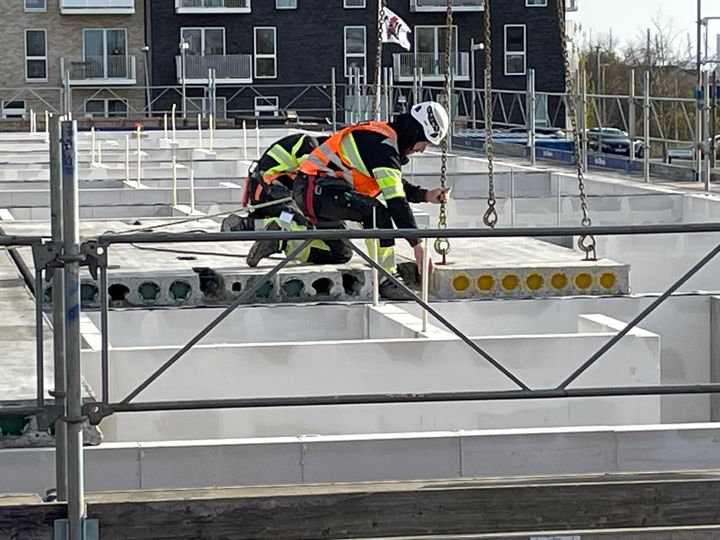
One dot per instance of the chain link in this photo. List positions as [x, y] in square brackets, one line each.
[378, 61]
[586, 243]
[442, 245]
[490, 218]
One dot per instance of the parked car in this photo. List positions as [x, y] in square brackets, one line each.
[609, 140]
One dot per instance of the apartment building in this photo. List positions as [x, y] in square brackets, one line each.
[270, 56]
[85, 56]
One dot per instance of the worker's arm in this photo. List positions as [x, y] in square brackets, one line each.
[413, 193]
[392, 186]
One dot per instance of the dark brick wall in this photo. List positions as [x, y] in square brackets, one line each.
[310, 43]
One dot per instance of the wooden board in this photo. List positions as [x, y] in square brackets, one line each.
[390, 509]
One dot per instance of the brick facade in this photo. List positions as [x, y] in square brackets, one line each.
[64, 40]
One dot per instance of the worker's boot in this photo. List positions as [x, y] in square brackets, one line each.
[264, 248]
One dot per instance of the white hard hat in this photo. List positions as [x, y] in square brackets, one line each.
[433, 118]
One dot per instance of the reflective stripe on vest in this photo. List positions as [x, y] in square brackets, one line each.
[341, 152]
[287, 162]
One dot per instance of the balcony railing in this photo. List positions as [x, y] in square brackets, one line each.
[97, 7]
[229, 68]
[432, 65]
[441, 5]
[214, 6]
[94, 70]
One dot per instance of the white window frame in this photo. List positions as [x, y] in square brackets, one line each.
[28, 58]
[106, 56]
[294, 6]
[260, 108]
[13, 112]
[347, 55]
[346, 6]
[507, 54]
[202, 36]
[106, 113]
[536, 3]
[42, 9]
[440, 5]
[257, 56]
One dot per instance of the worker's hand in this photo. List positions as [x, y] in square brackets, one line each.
[419, 258]
[438, 195]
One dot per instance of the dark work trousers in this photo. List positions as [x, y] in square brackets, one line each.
[334, 200]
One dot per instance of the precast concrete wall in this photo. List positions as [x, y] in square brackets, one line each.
[244, 325]
[375, 457]
[442, 363]
[683, 324]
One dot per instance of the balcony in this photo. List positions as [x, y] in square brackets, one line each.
[99, 70]
[212, 6]
[97, 7]
[229, 68]
[441, 5]
[571, 5]
[432, 65]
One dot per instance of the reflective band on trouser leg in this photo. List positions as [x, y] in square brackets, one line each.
[385, 255]
[390, 182]
[268, 221]
[304, 255]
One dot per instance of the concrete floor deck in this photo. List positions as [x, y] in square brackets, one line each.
[215, 274]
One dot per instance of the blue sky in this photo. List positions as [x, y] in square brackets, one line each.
[629, 18]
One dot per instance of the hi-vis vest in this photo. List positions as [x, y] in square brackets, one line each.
[339, 157]
[287, 162]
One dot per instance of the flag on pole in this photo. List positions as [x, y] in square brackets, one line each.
[395, 30]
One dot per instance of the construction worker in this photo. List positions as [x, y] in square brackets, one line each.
[270, 179]
[341, 179]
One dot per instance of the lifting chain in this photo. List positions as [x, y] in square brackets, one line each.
[490, 218]
[378, 61]
[586, 242]
[442, 245]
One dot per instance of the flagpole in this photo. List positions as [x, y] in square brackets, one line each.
[378, 64]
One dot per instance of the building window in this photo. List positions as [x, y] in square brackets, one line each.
[535, 3]
[35, 5]
[285, 4]
[265, 53]
[430, 43]
[104, 54]
[267, 106]
[355, 49]
[106, 108]
[353, 4]
[13, 109]
[515, 49]
[36, 55]
[204, 41]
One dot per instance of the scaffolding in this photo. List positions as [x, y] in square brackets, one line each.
[60, 257]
